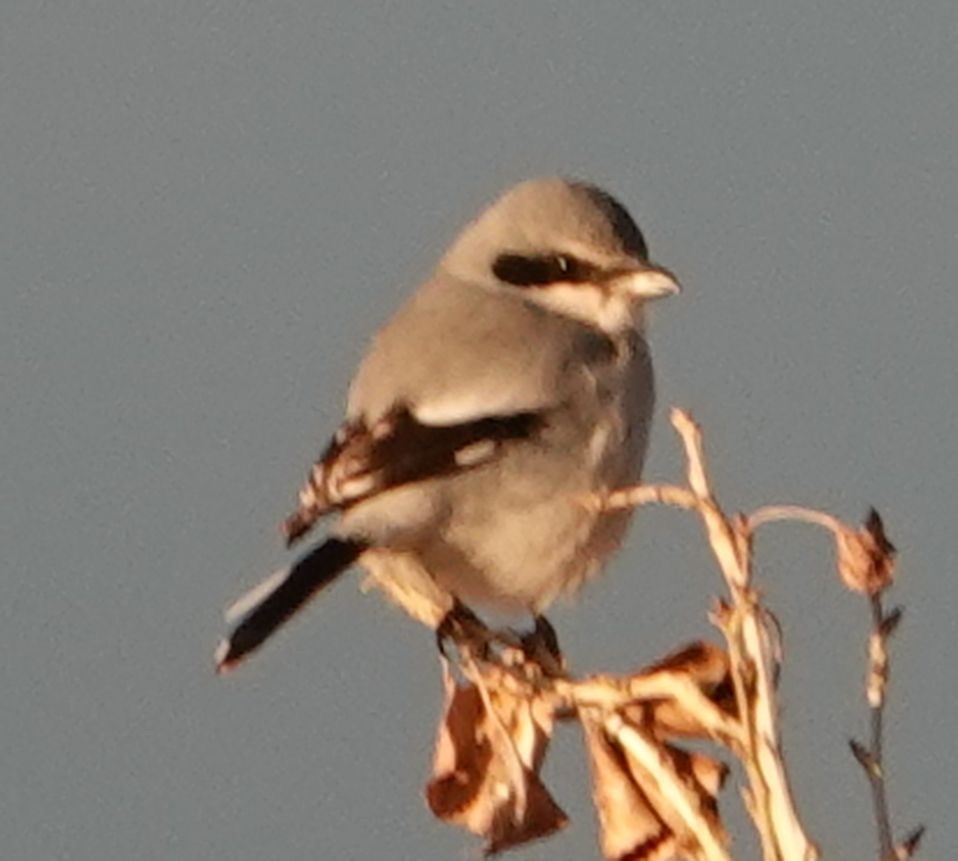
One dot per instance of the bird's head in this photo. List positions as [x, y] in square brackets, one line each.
[567, 246]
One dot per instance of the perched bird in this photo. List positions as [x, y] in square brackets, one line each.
[508, 391]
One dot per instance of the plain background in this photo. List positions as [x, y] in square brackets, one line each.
[207, 207]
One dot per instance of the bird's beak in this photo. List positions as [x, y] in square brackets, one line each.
[647, 282]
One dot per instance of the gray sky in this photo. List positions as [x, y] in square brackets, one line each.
[207, 208]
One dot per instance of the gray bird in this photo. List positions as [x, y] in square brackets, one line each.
[508, 391]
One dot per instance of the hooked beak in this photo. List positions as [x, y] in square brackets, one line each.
[646, 282]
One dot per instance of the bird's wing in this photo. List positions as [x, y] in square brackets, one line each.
[399, 449]
[457, 372]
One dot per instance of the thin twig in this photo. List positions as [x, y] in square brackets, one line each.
[776, 513]
[876, 775]
[566, 695]
[644, 494]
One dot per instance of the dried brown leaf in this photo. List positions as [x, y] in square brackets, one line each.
[637, 821]
[486, 764]
[707, 667]
[629, 827]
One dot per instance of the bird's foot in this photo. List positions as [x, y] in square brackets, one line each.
[466, 631]
[473, 639]
[541, 645]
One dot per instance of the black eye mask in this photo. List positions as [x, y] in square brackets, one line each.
[541, 271]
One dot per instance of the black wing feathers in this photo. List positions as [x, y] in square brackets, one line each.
[361, 461]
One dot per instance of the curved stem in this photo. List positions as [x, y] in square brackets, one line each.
[778, 513]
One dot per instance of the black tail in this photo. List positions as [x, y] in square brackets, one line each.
[266, 607]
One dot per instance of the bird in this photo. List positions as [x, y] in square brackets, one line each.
[513, 387]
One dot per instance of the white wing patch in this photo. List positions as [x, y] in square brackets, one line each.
[475, 453]
[463, 409]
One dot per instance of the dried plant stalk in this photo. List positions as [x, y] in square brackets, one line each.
[656, 800]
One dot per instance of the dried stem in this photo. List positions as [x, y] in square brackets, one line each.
[866, 562]
[647, 752]
[876, 703]
[752, 653]
[567, 696]
[679, 697]
[751, 643]
[777, 513]
[644, 494]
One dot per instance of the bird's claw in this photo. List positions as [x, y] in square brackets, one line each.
[541, 645]
[463, 628]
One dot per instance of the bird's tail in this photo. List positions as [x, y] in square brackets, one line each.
[267, 606]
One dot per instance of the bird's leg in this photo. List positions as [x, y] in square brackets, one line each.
[541, 645]
[465, 629]
[474, 640]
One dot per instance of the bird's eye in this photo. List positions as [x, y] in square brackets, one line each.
[539, 271]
